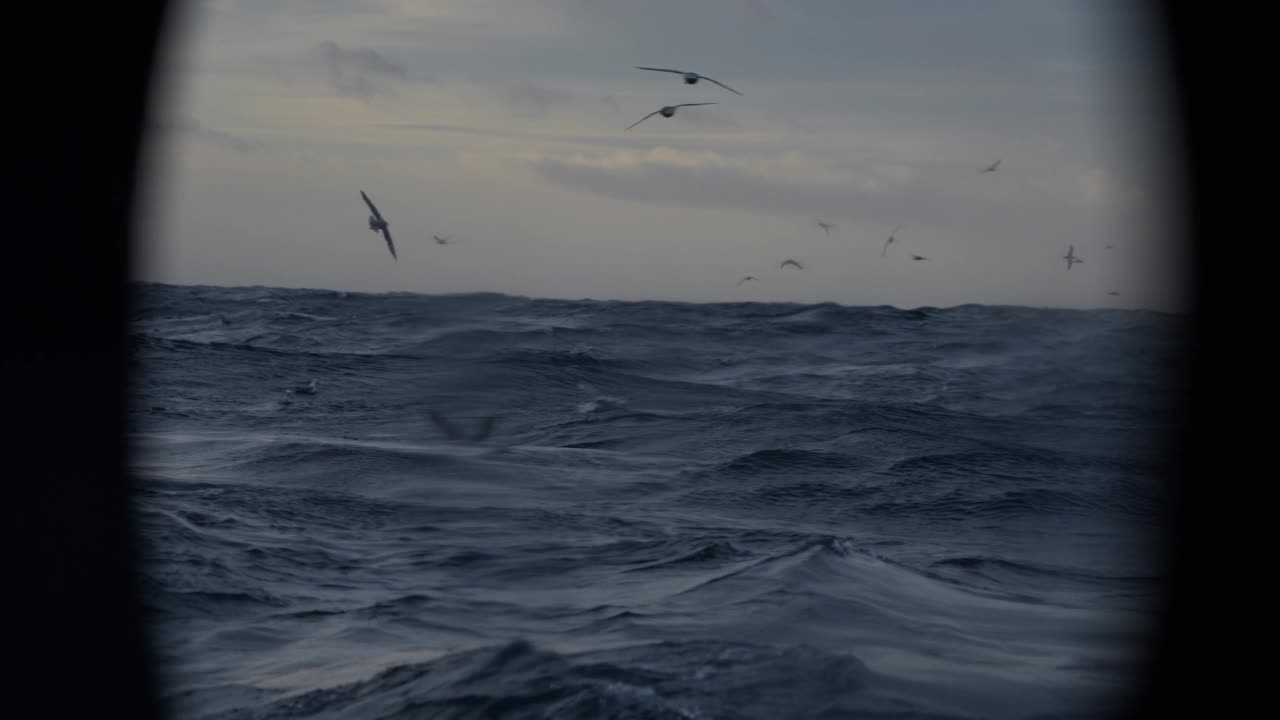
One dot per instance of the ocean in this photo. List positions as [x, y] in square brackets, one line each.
[509, 507]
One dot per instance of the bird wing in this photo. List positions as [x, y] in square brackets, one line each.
[386, 232]
[692, 104]
[885, 249]
[726, 87]
[646, 117]
[678, 72]
[372, 207]
[791, 262]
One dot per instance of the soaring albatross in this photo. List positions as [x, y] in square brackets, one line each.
[666, 112]
[690, 78]
[378, 224]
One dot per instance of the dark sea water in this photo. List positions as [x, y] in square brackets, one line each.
[683, 511]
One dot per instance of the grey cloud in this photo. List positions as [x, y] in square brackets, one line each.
[363, 73]
[949, 202]
[532, 100]
[207, 135]
[595, 141]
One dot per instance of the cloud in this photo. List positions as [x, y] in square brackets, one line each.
[797, 183]
[209, 136]
[363, 73]
[533, 100]
[1101, 189]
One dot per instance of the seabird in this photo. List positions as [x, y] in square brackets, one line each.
[789, 261]
[442, 240]
[889, 242]
[918, 257]
[690, 78]
[992, 168]
[1113, 292]
[748, 277]
[826, 227]
[308, 389]
[666, 112]
[1070, 257]
[377, 224]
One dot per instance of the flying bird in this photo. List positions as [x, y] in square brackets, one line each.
[918, 257]
[442, 240]
[1070, 257]
[691, 78]
[826, 227]
[1113, 292]
[889, 242]
[666, 112]
[789, 261]
[748, 277]
[992, 167]
[377, 224]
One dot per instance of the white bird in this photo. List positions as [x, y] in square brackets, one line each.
[748, 277]
[377, 224]
[1070, 257]
[667, 112]
[690, 78]
[308, 389]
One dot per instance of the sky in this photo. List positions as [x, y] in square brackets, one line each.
[501, 123]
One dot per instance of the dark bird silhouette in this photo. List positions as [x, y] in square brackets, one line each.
[691, 78]
[991, 168]
[826, 227]
[378, 224]
[889, 242]
[918, 257]
[789, 261]
[748, 277]
[1070, 257]
[666, 112]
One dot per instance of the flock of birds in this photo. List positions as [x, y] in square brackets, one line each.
[378, 224]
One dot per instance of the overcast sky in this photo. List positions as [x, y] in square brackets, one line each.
[501, 123]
